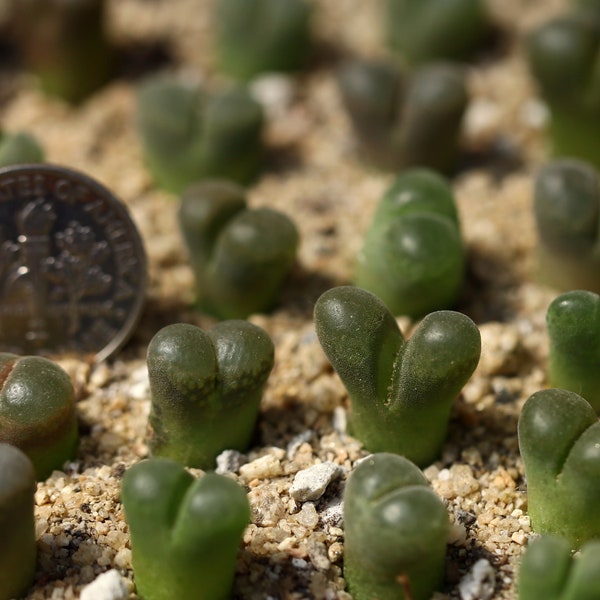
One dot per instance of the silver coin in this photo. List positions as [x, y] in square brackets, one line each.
[72, 264]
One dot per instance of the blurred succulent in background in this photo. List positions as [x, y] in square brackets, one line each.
[189, 134]
[19, 148]
[64, 43]
[567, 214]
[425, 30]
[37, 411]
[559, 440]
[413, 257]
[573, 322]
[400, 391]
[395, 531]
[404, 120]
[259, 36]
[563, 55]
[206, 389]
[17, 552]
[549, 571]
[241, 257]
[185, 532]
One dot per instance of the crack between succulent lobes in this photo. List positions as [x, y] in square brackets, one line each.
[568, 454]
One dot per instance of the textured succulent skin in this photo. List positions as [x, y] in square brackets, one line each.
[258, 36]
[185, 532]
[567, 214]
[549, 571]
[562, 55]
[395, 531]
[206, 389]
[559, 440]
[189, 135]
[19, 148]
[64, 43]
[403, 121]
[426, 30]
[240, 257]
[400, 391]
[412, 257]
[37, 411]
[17, 553]
[573, 323]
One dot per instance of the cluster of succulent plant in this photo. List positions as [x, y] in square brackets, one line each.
[566, 208]
[240, 256]
[562, 55]
[37, 411]
[425, 30]
[185, 532]
[21, 147]
[259, 36]
[206, 389]
[395, 531]
[405, 119]
[64, 44]
[400, 391]
[549, 571]
[189, 134]
[412, 257]
[18, 552]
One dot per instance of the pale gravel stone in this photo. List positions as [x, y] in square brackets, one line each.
[229, 461]
[296, 442]
[311, 483]
[478, 583]
[261, 468]
[108, 586]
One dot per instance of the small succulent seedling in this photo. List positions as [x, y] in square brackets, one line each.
[400, 391]
[37, 411]
[189, 135]
[206, 389]
[241, 257]
[425, 30]
[185, 532]
[405, 120]
[573, 322]
[567, 209]
[562, 55]
[64, 43]
[413, 257]
[559, 440]
[395, 531]
[17, 552]
[19, 148]
[258, 36]
[549, 572]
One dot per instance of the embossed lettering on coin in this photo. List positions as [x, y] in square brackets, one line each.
[72, 264]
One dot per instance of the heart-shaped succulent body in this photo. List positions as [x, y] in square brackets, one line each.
[185, 532]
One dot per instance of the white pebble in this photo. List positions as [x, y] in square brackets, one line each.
[311, 483]
[478, 583]
[229, 461]
[108, 586]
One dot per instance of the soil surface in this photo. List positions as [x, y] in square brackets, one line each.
[294, 549]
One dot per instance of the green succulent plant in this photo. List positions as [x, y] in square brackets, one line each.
[567, 209]
[562, 55]
[412, 257]
[588, 8]
[426, 30]
[37, 411]
[185, 532]
[573, 322]
[395, 531]
[549, 571]
[19, 148]
[241, 257]
[17, 553]
[189, 134]
[403, 120]
[257, 36]
[64, 43]
[206, 389]
[400, 391]
[559, 440]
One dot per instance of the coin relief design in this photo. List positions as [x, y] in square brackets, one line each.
[72, 264]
